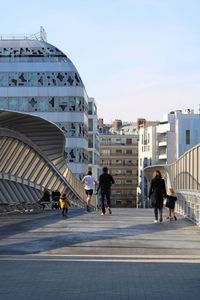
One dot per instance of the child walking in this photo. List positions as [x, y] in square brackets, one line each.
[64, 204]
[171, 199]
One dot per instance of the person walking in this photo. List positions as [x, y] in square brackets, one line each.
[157, 193]
[171, 199]
[89, 182]
[105, 182]
[64, 204]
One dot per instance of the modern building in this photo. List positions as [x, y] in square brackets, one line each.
[93, 139]
[38, 78]
[119, 152]
[164, 143]
[146, 157]
[31, 161]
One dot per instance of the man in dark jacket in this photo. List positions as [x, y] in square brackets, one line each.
[105, 182]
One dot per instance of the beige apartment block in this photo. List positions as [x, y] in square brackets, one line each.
[119, 152]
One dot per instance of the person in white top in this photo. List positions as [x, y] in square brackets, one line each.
[89, 182]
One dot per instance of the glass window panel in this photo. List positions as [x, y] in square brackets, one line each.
[13, 103]
[23, 104]
[3, 103]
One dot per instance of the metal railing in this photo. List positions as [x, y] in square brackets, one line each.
[184, 177]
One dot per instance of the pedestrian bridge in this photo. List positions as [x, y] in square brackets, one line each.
[126, 234]
[32, 160]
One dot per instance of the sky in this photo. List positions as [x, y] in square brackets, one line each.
[137, 58]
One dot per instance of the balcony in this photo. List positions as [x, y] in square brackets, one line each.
[162, 156]
[162, 143]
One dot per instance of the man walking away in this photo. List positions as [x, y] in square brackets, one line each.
[105, 182]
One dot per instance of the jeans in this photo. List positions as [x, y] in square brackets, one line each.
[105, 194]
[156, 209]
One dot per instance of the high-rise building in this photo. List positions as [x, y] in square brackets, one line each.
[38, 78]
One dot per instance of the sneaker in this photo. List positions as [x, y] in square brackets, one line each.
[102, 214]
[110, 211]
[155, 221]
[161, 218]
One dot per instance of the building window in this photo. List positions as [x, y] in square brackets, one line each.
[118, 141]
[128, 151]
[90, 108]
[90, 124]
[187, 137]
[128, 171]
[118, 151]
[148, 139]
[129, 141]
[90, 141]
[90, 161]
[106, 152]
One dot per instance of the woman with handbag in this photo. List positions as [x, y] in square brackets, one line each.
[157, 193]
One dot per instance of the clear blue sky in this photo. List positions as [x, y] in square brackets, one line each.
[137, 58]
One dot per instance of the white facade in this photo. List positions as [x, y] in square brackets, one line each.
[93, 139]
[165, 143]
[37, 78]
[146, 157]
[179, 133]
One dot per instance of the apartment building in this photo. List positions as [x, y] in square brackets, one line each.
[163, 143]
[119, 152]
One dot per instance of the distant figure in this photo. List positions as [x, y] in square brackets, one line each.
[55, 196]
[171, 199]
[89, 182]
[157, 193]
[64, 204]
[45, 198]
[105, 182]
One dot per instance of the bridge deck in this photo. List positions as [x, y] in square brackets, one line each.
[88, 256]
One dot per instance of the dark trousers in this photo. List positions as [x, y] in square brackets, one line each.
[105, 194]
[156, 209]
[64, 211]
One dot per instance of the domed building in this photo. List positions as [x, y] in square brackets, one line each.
[39, 79]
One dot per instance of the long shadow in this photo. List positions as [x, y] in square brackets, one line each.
[37, 220]
[60, 240]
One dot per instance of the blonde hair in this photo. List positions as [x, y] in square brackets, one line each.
[171, 191]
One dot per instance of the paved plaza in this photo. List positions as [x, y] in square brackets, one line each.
[89, 256]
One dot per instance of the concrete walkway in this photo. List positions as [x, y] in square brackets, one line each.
[89, 256]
